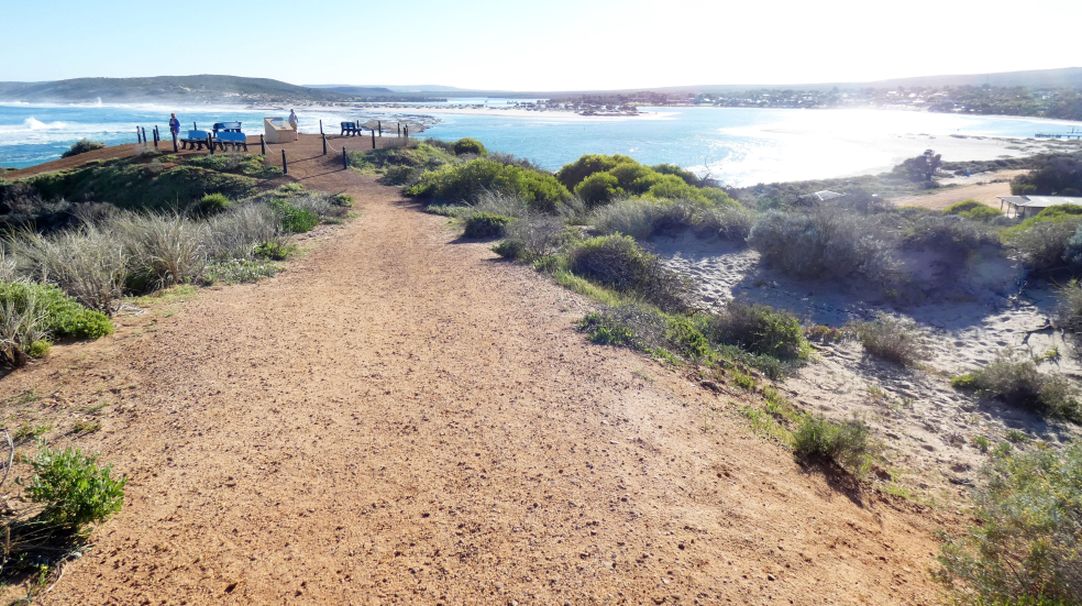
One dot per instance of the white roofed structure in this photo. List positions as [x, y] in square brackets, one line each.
[1020, 206]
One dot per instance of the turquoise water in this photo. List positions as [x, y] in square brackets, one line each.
[737, 146]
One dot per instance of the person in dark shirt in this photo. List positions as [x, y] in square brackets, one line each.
[174, 124]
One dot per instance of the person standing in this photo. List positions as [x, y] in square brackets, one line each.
[174, 125]
[293, 119]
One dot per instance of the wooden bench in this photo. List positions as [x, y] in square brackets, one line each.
[196, 139]
[234, 139]
[351, 129]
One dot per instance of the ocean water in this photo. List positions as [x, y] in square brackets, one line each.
[737, 146]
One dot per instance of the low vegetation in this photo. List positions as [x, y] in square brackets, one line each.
[482, 224]
[467, 146]
[973, 210]
[892, 338]
[1059, 175]
[1049, 242]
[1069, 313]
[467, 182]
[619, 263]
[847, 444]
[645, 218]
[1016, 381]
[759, 329]
[81, 147]
[1024, 548]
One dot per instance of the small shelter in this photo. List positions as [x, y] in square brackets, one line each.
[1023, 206]
[278, 130]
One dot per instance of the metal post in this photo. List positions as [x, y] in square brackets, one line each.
[285, 166]
[262, 146]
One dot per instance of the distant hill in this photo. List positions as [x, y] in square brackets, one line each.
[349, 89]
[191, 89]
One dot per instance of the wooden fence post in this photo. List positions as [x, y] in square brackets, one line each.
[210, 143]
[321, 132]
[399, 124]
[285, 166]
[195, 126]
[406, 129]
[379, 125]
[324, 141]
[175, 150]
[345, 158]
[373, 139]
[262, 146]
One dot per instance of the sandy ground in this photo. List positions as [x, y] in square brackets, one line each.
[927, 427]
[984, 188]
[401, 418]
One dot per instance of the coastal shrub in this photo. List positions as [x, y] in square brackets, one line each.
[210, 204]
[468, 181]
[1024, 546]
[1055, 176]
[466, 145]
[645, 218]
[847, 444]
[920, 169]
[1016, 381]
[241, 164]
[403, 165]
[240, 271]
[760, 329]
[293, 219]
[64, 317]
[599, 189]
[274, 250]
[618, 262]
[892, 338]
[500, 203]
[671, 169]
[81, 147]
[1069, 312]
[823, 244]
[572, 174]
[162, 249]
[946, 234]
[88, 263]
[973, 210]
[73, 489]
[1043, 246]
[235, 233]
[480, 224]
[23, 330]
[533, 237]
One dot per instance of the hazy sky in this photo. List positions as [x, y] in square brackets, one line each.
[534, 45]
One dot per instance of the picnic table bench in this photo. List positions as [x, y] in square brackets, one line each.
[234, 139]
[196, 139]
[229, 127]
[351, 129]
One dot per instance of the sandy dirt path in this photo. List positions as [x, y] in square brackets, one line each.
[984, 188]
[401, 418]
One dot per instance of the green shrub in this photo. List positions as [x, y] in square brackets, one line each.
[81, 147]
[240, 271]
[573, 174]
[973, 210]
[234, 234]
[210, 204]
[241, 164]
[74, 490]
[760, 329]
[509, 249]
[847, 444]
[892, 338]
[1024, 549]
[599, 189]
[295, 220]
[88, 263]
[1070, 307]
[343, 200]
[644, 218]
[536, 236]
[619, 263]
[64, 316]
[274, 250]
[22, 329]
[671, 169]
[162, 249]
[1054, 176]
[467, 145]
[1041, 241]
[480, 224]
[1017, 382]
[468, 181]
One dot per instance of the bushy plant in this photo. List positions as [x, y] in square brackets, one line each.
[163, 249]
[644, 218]
[81, 147]
[64, 316]
[618, 262]
[274, 250]
[819, 440]
[235, 233]
[949, 235]
[73, 488]
[759, 329]
[240, 271]
[22, 330]
[573, 174]
[466, 145]
[468, 181]
[892, 338]
[88, 263]
[1017, 381]
[534, 236]
[293, 219]
[599, 189]
[1055, 176]
[210, 204]
[480, 224]
[1069, 312]
[973, 210]
[1024, 548]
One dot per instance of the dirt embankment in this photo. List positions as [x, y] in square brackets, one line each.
[400, 418]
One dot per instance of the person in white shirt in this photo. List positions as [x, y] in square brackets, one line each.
[293, 119]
